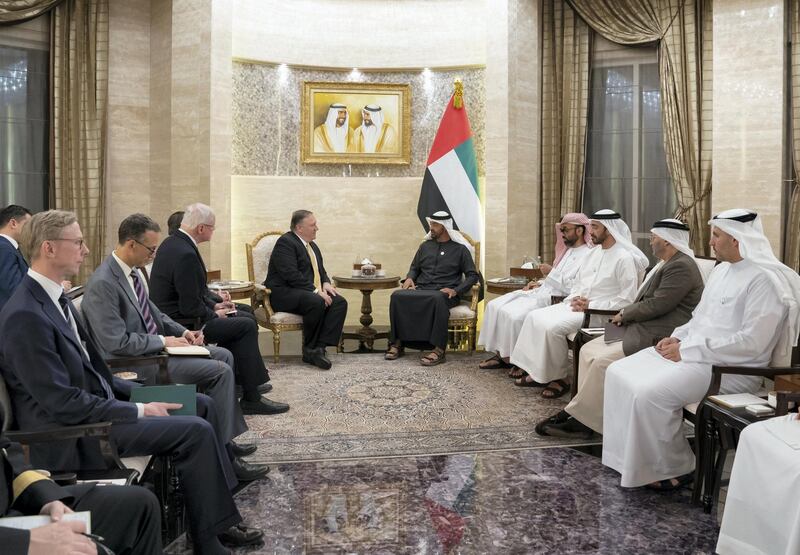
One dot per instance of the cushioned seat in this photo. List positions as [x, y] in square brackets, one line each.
[462, 311]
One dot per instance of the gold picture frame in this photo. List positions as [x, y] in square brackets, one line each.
[355, 123]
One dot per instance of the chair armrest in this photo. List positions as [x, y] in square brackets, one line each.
[473, 304]
[763, 371]
[161, 360]
[601, 312]
[260, 297]
[27, 437]
[783, 398]
[555, 299]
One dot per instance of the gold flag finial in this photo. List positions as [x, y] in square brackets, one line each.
[458, 95]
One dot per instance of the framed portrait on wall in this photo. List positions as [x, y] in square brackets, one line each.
[355, 123]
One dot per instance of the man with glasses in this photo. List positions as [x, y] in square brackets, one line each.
[124, 322]
[505, 315]
[178, 286]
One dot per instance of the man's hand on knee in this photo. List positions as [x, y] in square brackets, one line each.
[325, 297]
[61, 538]
[408, 284]
[449, 292]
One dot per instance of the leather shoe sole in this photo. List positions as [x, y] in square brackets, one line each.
[246, 472]
[240, 536]
[243, 450]
[263, 406]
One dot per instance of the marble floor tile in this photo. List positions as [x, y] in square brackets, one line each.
[532, 501]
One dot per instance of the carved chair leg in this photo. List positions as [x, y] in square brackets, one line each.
[472, 338]
[276, 345]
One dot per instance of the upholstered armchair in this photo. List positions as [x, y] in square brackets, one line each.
[464, 316]
[258, 252]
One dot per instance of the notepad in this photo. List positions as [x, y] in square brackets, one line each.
[186, 395]
[188, 351]
[613, 332]
[737, 400]
[35, 521]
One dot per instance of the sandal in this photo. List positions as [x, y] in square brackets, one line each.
[527, 381]
[516, 372]
[559, 418]
[493, 363]
[551, 392]
[433, 358]
[393, 352]
[672, 483]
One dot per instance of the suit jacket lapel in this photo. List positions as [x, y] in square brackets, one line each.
[123, 283]
[189, 240]
[55, 314]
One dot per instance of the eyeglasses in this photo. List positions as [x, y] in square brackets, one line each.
[77, 242]
[565, 228]
[212, 226]
[151, 250]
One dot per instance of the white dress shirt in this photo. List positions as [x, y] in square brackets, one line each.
[126, 271]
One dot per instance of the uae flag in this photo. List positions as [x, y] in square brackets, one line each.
[451, 178]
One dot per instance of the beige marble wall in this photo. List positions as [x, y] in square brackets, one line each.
[362, 33]
[748, 109]
[128, 168]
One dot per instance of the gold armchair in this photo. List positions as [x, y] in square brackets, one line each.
[463, 319]
[258, 252]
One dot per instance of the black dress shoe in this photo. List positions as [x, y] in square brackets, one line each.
[571, 428]
[243, 449]
[559, 418]
[318, 358]
[265, 387]
[247, 472]
[241, 535]
[263, 406]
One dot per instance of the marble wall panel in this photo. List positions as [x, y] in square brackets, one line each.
[748, 109]
[266, 118]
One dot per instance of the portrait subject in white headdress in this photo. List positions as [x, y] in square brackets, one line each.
[335, 134]
[608, 279]
[375, 134]
[664, 301]
[747, 311]
[503, 317]
[442, 271]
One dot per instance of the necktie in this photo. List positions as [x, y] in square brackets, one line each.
[64, 302]
[312, 256]
[144, 305]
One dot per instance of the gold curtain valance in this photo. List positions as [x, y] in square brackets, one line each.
[17, 11]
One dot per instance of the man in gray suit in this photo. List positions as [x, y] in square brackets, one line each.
[664, 301]
[124, 322]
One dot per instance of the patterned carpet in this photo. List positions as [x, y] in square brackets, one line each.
[368, 407]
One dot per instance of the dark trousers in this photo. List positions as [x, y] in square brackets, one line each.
[240, 336]
[322, 325]
[418, 317]
[129, 518]
[200, 458]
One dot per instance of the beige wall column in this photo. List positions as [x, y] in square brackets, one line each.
[748, 109]
[512, 134]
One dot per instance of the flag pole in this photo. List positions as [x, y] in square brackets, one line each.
[458, 94]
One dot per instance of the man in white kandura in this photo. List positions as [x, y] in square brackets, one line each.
[762, 515]
[504, 316]
[374, 134]
[608, 279]
[741, 321]
[335, 134]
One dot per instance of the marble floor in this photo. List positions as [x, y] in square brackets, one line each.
[557, 500]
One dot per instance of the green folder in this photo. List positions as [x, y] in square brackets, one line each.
[186, 395]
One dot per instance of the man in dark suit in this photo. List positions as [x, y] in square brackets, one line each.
[178, 286]
[56, 376]
[12, 264]
[664, 301]
[300, 284]
[128, 518]
[124, 322]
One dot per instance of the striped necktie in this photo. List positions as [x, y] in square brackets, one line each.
[313, 257]
[144, 305]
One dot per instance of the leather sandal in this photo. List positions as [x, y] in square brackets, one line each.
[493, 363]
[670, 485]
[516, 372]
[433, 358]
[527, 381]
[551, 392]
[393, 352]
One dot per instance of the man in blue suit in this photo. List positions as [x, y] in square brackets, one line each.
[56, 376]
[12, 265]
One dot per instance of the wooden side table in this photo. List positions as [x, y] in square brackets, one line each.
[237, 289]
[503, 287]
[366, 335]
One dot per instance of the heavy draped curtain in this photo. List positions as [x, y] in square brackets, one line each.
[682, 29]
[792, 247]
[17, 11]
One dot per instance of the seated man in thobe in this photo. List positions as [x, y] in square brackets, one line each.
[124, 322]
[608, 279]
[762, 514]
[442, 271]
[741, 321]
[665, 300]
[503, 318]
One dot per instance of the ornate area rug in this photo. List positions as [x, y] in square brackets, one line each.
[366, 406]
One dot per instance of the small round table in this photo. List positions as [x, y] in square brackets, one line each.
[236, 289]
[503, 287]
[366, 335]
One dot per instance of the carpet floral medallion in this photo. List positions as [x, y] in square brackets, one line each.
[366, 406]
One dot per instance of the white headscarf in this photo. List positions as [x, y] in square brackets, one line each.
[745, 226]
[372, 132]
[337, 135]
[445, 219]
[676, 233]
[621, 233]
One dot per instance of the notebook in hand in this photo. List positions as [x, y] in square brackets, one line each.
[183, 394]
[613, 332]
[189, 350]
